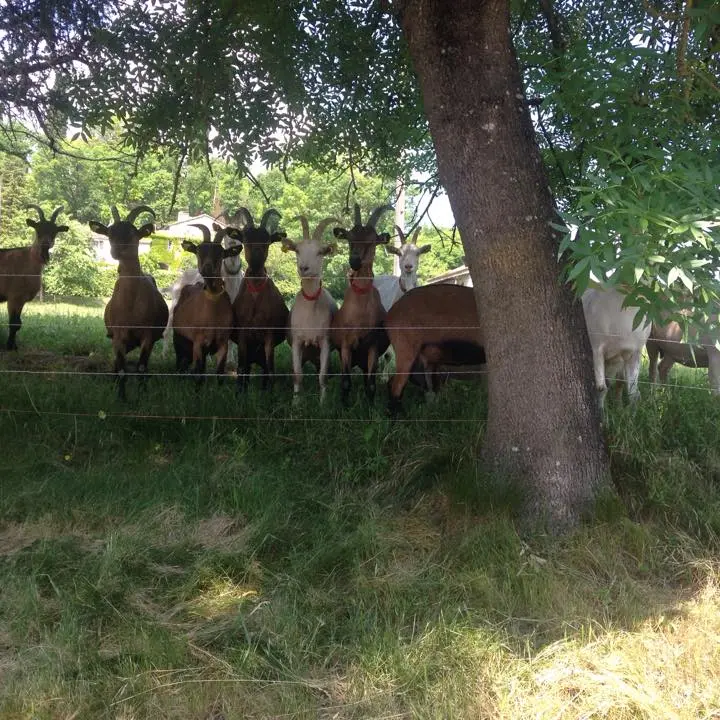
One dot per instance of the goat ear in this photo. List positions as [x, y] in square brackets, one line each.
[278, 236]
[392, 249]
[96, 227]
[146, 230]
[341, 233]
[190, 247]
[216, 227]
[31, 223]
[234, 233]
[328, 249]
[62, 228]
[383, 239]
[232, 251]
[288, 245]
[424, 249]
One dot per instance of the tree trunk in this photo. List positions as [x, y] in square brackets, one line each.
[543, 417]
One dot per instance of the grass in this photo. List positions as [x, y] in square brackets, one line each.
[308, 562]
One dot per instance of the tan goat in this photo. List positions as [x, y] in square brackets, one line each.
[357, 328]
[21, 269]
[261, 316]
[432, 326]
[203, 317]
[136, 314]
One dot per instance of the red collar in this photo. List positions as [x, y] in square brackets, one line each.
[314, 296]
[255, 289]
[359, 289]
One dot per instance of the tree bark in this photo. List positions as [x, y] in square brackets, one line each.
[543, 425]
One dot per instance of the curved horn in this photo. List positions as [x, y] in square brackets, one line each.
[56, 212]
[320, 229]
[358, 217]
[132, 215]
[376, 213]
[205, 231]
[39, 211]
[305, 227]
[401, 235]
[115, 214]
[267, 215]
[243, 214]
[414, 239]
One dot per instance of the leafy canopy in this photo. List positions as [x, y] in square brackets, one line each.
[624, 103]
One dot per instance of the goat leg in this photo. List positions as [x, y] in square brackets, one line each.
[142, 366]
[346, 359]
[403, 368]
[243, 367]
[370, 374]
[297, 367]
[199, 355]
[221, 357]
[121, 376]
[324, 362]
[15, 325]
[269, 367]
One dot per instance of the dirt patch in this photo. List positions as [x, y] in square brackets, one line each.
[42, 360]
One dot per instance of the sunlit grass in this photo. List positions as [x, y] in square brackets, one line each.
[321, 562]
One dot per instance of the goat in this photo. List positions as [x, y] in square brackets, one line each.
[392, 287]
[191, 276]
[357, 328]
[616, 346]
[314, 308]
[429, 326]
[232, 273]
[666, 342]
[21, 269]
[261, 315]
[203, 318]
[136, 314]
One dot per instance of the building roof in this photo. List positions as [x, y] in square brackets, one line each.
[449, 275]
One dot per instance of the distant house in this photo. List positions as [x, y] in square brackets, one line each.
[101, 247]
[181, 229]
[458, 276]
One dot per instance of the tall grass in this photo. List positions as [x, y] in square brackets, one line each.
[319, 562]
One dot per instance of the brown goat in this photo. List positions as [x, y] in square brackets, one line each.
[203, 317]
[357, 328]
[21, 269]
[261, 316]
[431, 326]
[137, 313]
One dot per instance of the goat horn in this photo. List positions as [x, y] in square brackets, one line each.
[376, 213]
[56, 212]
[320, 229]
[39, 211]
[115, 214]
[358, 217]
[205, 231]
[305, 227]
[401, 235]
[132, 215]
[268, 214]
[415, 236]
[243, 214]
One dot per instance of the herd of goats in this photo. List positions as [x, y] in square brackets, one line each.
[429, 327]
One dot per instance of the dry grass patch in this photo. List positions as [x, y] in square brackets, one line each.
[669, 667]
[15, 536]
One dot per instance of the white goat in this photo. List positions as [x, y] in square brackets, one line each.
[392, 287]
[232, 273]
[616, 347]
[314, 308]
